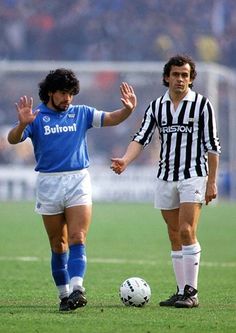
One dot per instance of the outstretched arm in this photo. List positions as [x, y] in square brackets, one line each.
[25, 116]
[129, 100]
[118, 165]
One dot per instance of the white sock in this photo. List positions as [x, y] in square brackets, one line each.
[177, 262]
[191, 261]
[63, 291]
[76, 283]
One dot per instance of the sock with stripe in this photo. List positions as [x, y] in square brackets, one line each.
[191, 261]
[177, 262]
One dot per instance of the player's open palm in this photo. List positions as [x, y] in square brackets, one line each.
[128, 98]
[25, 113]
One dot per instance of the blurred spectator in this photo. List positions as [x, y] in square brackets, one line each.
[19, 154]
[105, 30]
[118, 30]
[208, 48]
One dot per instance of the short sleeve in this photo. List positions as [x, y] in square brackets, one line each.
[98, 117]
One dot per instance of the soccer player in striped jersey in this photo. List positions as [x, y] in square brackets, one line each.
[188, 163]
[58, 130]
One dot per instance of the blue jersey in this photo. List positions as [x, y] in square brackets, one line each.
[59, 138]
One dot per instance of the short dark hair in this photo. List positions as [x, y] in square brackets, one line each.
[179, 60]
[59, 79]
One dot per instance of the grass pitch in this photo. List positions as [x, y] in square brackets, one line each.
[125, 240]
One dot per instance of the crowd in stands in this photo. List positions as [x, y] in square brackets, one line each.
[119, 30]
[110, 30]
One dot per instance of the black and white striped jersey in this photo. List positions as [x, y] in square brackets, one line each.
[186, 135]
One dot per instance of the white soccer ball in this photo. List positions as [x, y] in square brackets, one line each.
[135, 292]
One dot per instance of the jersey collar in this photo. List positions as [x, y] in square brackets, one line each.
[189, 97]
[44, 109]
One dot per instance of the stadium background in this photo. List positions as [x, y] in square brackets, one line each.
[107, 42]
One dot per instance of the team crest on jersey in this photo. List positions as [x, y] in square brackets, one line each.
[46, 119]
[191, 120]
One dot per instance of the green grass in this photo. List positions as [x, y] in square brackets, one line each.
[125, 240]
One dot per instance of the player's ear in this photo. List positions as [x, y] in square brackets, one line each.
[166, 78]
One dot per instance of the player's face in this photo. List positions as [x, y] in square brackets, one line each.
[179, 79]
[60, 100]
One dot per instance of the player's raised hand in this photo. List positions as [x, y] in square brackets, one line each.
[118, 165]
[25, 112]
[128, 98]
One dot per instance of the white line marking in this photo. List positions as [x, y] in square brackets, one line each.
[121, 261]
[2, 258]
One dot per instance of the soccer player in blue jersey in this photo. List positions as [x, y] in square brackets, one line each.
[57, 129]
[188, 164]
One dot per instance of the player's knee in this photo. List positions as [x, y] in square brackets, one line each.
[78, 237]
[174, 235]
[59, 247]
[58, 244]
[186, 233]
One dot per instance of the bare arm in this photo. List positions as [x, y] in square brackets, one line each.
[25, 116]
[118, 165]
[211, 189]
[15, 134]
[129, 100]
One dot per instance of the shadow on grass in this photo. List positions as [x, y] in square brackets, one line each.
[42, 309]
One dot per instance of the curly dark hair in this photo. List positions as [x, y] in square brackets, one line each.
[60, 79]
[179, 60]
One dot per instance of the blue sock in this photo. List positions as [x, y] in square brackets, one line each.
[59, 268]
[77, 261]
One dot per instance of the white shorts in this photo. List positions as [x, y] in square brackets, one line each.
[169, 195]
[57, 191]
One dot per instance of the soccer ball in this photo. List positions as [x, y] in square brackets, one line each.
[135, 292]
